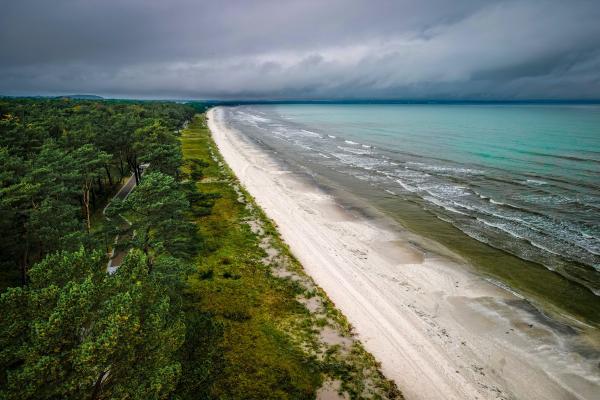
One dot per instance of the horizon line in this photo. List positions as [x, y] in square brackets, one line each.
[365, 100]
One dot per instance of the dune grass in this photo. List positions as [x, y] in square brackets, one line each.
[269, 343]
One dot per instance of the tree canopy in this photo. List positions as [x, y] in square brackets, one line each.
[68, 328]
[77, 332]
[61, 160]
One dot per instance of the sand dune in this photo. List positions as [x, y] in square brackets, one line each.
[440, 331]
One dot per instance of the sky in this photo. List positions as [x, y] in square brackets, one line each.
[275, 49]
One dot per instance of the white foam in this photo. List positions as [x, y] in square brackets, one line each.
[443, 205]
[252, 117]
[501, 227]
[311, 133]
[353, 150]
[539, 246]
[405, 186]
[536, 182]
[440, 168]
[504, 286]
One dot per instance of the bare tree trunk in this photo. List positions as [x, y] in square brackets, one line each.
[107, 169]
[134, 167]
[121, 168]
[98, 385]
[24, 264]
[146, 250]
[100, 185]
[93, 197]
[86, 203]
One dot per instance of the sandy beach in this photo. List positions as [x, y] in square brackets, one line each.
[439, 330]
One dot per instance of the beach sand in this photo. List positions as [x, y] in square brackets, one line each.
[439, 330]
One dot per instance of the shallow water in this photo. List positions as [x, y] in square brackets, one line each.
[513, 188]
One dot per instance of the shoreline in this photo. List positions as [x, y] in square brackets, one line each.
[439, 330]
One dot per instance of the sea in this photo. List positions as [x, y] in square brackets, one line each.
[514, 189]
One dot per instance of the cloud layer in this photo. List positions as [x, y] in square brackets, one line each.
[302, 49]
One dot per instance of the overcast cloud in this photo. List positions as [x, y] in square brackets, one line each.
[301, 49]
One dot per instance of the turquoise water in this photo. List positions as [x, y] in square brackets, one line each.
[524, 179]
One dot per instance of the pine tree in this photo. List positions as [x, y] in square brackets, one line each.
[76, 332]
[89, 165]
[157, 210]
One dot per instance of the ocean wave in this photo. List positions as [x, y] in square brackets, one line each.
[438, 203]
[252, 117]
[504, 286]
[558, 156]
[444, 191]
[569, 183]
[353, 150]
[302, 145]
[415, 177]
[536, 182]
[446, 169]
[540, 246]
[405, 186]
[310, 133]
[502, 227]
[549, 259]
[561, 240]
[497, 202]
[527, 226]
[355, 160]
[350, 142]
[444, 219]
[537, 223]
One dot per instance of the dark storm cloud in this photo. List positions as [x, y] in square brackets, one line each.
[334, 48]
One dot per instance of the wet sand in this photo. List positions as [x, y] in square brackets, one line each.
[439, 330]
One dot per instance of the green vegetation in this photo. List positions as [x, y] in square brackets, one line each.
[280, 335]
[69, 329]
[207, 302]
[77, 332]
[60, 160]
